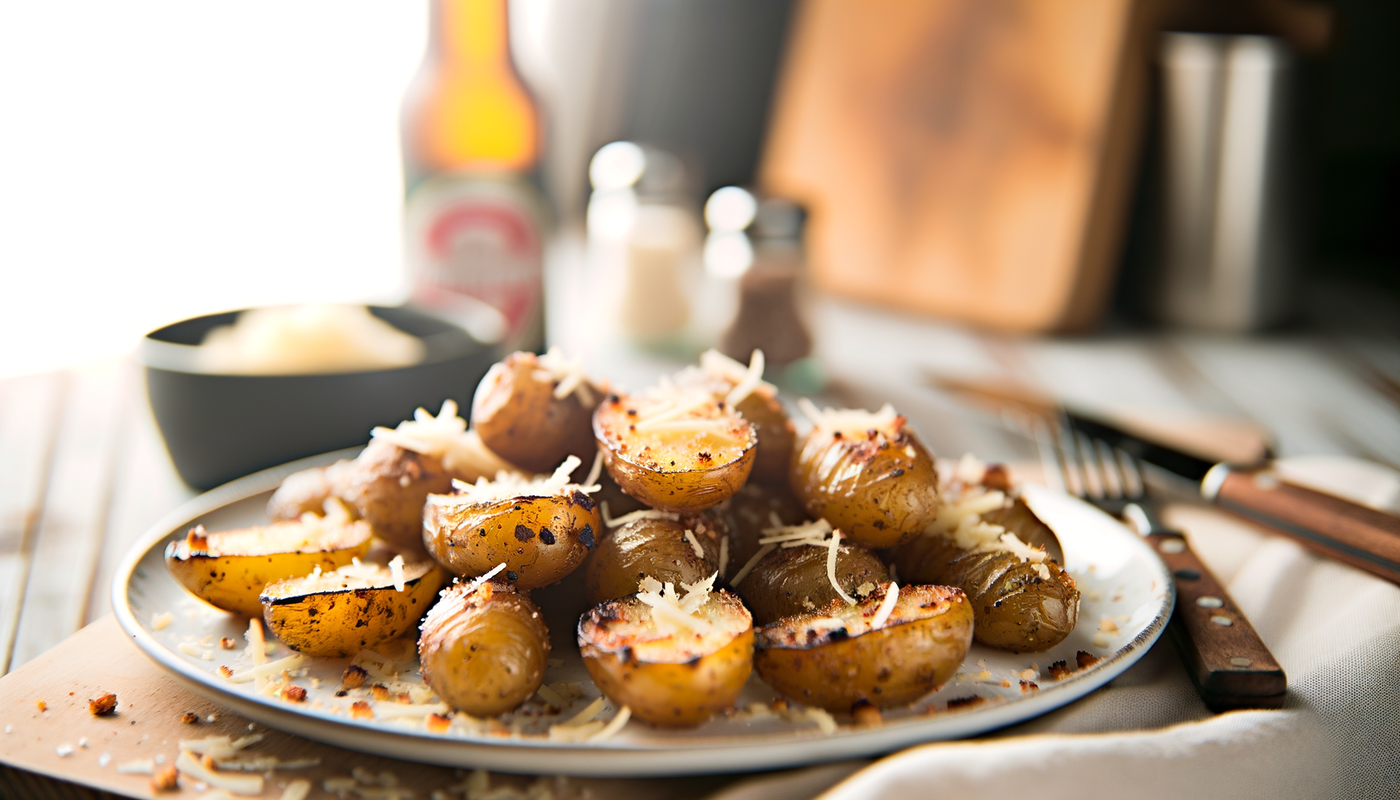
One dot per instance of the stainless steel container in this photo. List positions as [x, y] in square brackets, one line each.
[1230, 236]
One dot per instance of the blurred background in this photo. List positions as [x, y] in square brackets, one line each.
[165, 159]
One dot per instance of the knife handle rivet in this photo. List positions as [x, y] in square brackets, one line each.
[1223, 621]
[1172, 546]
[1210, 602]
[1240, 661]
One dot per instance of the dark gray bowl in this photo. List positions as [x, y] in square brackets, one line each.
[220, 427]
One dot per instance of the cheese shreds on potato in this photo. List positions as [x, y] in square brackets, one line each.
[851, 421]
[960, 518]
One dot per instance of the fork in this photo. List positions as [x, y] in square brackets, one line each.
[1229, 664]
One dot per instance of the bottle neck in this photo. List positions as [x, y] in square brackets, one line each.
[472, 33]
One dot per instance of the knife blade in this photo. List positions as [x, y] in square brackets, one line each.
[1331, 526]
[1337, 528]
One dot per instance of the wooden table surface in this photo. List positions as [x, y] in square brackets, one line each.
[83, 472]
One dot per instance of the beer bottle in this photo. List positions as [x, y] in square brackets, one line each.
[471, 143]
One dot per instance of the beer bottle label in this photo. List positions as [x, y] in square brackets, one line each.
[480, 238]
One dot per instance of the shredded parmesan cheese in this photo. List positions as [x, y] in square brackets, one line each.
[614, 725]
[401, 710]
[694, 543]
[477, 582]
[882, 614]
[508, 485]
[238, 784]
[569, 374]
[668, 606]
[257, 644]
[297, 790]
[849, 420]
[751, 563]
[726, 368]
[396, 570]
[645, 513]
[723, 554]
[596, 471]
[268, 670]
[831, 567]
[960, 517]
[160, 621]
[142, 766]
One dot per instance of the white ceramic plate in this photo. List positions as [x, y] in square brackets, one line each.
[1119, 576]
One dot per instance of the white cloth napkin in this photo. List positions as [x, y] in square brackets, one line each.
[1335, 630]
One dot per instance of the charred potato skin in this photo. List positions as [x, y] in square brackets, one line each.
[335, 624]
[880, 490]
[667, 694]
[776, 437]
[234, 582]
[889, 667]
[389, 487]
[519, 418]
[660, 486]
[485, 651]
[1015, 608]
[540, 539]
[791, 581]
[655, 548]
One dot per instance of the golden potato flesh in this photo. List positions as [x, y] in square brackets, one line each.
[793, 580]
[484, 650]
[540, 538]
[834, 659]
[877, 484]
[669, 673]
[678, 451]
[1020, 605]
[230, 568]
[340, 613]
[653, 547]
[521, 417]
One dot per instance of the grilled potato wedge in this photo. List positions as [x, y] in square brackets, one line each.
[793, 580]
[655, 547]
[670, 673]
[867, 475]
[835, 658]
[541, 530]
[484, 649]
[229, 569]
[677, 450]
[1020, 605]
[340, 613]
[520, 415]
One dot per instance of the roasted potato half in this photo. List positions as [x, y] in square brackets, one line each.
[535, 411]
[793, 580]
[756, 400]
[838, 657]
[675, 450]
[541, 529]
[229, 569]
[867, 475]
[1023, 601]
[340, 613]
[484, 648]
[656, 546]
[676, 669]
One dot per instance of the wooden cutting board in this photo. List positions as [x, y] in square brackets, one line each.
[969, 159]
[148, 725]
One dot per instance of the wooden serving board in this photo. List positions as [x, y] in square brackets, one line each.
[148, 725]
[970, 159]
